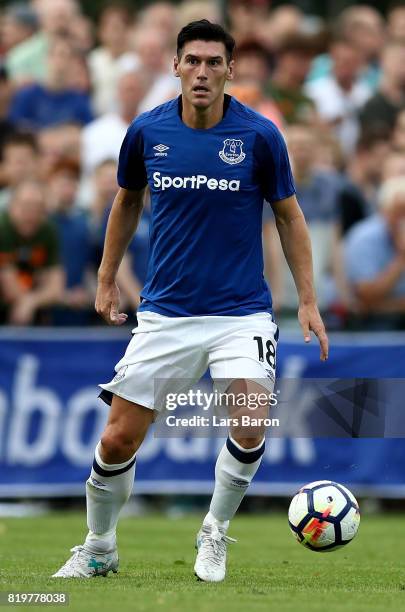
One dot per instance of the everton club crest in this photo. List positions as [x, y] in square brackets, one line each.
[232, 152]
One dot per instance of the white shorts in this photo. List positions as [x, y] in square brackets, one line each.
[179, 350]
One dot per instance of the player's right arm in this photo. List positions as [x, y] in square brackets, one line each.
[122, 223]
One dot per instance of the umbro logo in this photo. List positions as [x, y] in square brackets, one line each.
[97, 483]
[161, 150]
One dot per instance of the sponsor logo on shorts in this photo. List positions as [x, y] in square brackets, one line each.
[194, 182]
[241, 484]
[120, 374]
[97, 483]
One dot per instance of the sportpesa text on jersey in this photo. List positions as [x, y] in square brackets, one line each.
[207, 190]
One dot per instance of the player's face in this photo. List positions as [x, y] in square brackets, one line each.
[203, 70]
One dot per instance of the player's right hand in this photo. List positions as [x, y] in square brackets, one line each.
[107, 303]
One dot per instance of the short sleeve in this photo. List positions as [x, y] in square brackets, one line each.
[131, 166]
[274, 167]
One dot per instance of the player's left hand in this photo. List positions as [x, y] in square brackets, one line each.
[107, 303]
[311, 320]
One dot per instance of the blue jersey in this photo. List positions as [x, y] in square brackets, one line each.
[207, 190]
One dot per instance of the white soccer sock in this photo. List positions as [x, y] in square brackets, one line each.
[234, 471]
[107, 490]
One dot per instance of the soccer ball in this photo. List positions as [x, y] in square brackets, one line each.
[324, 516]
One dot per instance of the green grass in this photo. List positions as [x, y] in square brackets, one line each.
[267, 569]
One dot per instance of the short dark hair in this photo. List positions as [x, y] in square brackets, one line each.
[205, 30]
[21, 139]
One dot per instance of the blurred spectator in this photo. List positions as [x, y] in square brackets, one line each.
[398, 135]
[396, 21]
[253, 63]
[6, 127]
[104, 188]
[375, 261]
[284, 21]
[252, 71]
[103, 137]
[41, 105]
[339, 95]
[329, 154]
[76, 251]
[194, 10]
[20, 162]
[58, 143]
[31, 278]
[247, 17]
[162, 16]
[318, 194]
[80, 80]
[364, 27]
[82, 34]
[132, 273]
[156, 59]
[27, 61]
[113, 57]
[359, 193]
[19, 22]
[252, 95]
[382, 109]
[394, 165]
[286, 85]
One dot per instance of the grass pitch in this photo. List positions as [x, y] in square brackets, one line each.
[267, 569]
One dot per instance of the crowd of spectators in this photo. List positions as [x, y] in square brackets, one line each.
[70, 87]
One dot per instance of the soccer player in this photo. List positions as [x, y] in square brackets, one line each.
[209, 162]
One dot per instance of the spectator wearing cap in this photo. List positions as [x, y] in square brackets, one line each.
[76, 252]
[31, 278]
[286, 86]
[38, 105]
[375, 260]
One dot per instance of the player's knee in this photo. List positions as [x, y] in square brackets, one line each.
[117, 446]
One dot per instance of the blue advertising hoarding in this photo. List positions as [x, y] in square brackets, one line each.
[51, 419]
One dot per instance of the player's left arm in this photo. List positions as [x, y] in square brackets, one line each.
[296, 245]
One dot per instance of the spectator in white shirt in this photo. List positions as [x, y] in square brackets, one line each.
[339, 95]
[155, 58]
[113, 57]
[102, 138]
